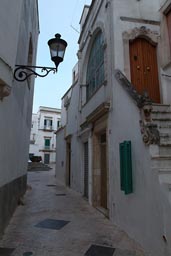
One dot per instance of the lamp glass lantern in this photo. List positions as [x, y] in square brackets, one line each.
[57, 48]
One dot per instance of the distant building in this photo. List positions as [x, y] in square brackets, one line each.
[18, 45]
[42, 137]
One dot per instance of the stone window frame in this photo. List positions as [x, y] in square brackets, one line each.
[132, 34]
[92, 70]
[85, 59]
[45, 141]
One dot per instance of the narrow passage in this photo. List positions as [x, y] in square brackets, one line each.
[56, 221]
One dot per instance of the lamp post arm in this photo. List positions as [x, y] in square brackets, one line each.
[23, 72]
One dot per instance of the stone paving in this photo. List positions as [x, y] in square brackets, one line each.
[71, 227]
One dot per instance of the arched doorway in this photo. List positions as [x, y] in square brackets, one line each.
[143, 68]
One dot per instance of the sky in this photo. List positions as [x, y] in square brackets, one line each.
[57, 16]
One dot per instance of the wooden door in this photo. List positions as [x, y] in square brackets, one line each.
[46, 158]
[86, 174]
[144, 70]
[103, 166]
[68, 164]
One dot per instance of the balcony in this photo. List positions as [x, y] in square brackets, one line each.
[46, 147]
[48, 128]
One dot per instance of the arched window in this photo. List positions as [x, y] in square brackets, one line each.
[95, 68]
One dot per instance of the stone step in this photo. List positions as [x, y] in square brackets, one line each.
[160, 150]
[165, 176]
[162, 121]
[164, 130]
[161, 107]
[161, 162]
[165, 173]
[163, 124]
[164, 149]
[165, 183]
[165, 138]
[161, 115]
[37, 165]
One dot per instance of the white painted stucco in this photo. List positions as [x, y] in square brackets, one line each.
[19, 23]
[144, 214]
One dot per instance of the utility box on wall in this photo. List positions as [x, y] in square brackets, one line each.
[126, 167]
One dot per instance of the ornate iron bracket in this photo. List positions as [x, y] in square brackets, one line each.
[23, 72]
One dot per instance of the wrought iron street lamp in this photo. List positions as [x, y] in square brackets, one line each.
[57, 48]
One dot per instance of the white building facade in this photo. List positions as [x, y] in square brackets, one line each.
[42, 137]
[115, 139]
[18, 45]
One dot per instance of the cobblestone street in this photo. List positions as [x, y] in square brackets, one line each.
[56, 221]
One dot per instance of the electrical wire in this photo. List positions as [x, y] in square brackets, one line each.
[74, 12]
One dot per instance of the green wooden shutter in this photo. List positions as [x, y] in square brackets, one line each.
[122, 166]
[126, 167]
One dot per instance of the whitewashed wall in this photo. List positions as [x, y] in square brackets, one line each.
[144, 214]
[19, 24]
[15, 110]
[140, 214]
[73, 128]
[61, 156]
[165, 54]
[9, 34]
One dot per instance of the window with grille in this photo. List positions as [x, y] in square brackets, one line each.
[48, 124]
[47, 143]
[95, 69]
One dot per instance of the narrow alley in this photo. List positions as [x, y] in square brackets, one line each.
[56, 221]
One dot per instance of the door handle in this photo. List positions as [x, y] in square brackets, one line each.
[148, 68]
[138, 67]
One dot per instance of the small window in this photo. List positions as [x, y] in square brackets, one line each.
[48, 124]
[47, 143]
[30, 54]
[58, 123]
[73, 76]
[103, 138]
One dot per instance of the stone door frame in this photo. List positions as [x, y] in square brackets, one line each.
[142, 32]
